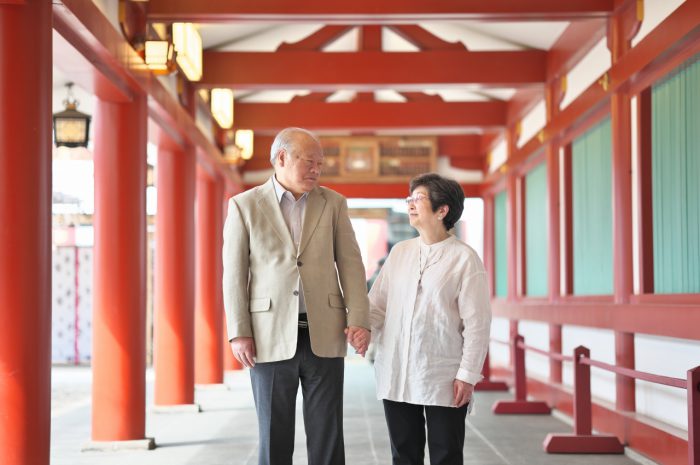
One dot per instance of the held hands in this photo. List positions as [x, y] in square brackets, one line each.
[358, 338]
[462, 392]
[243, 349]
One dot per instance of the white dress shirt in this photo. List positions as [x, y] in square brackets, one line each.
[430, 310]
[293, 211]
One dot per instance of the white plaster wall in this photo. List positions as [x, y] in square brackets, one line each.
[536, 334]
[601, 342]
[498, 353]
[532, 123]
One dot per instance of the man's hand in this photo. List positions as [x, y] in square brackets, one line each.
[462, 392]
[358, 338]
[243, 349]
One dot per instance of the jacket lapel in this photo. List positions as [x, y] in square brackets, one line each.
[270, 208]
[315, 204]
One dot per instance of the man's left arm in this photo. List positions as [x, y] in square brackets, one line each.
[351, 273]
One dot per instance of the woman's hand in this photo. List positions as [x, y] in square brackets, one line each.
[462, 392]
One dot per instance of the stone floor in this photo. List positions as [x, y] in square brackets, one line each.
[225, 432]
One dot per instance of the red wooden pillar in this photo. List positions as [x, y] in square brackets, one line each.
[513, 232]
[554, 92]
[174, 275]
[209, 313]
[25, 233]
[230, 362]
[489, 239]
[622, 28]
[119, 315]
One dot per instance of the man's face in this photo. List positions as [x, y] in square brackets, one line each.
[300, 168]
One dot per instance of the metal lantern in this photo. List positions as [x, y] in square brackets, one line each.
[71, 127]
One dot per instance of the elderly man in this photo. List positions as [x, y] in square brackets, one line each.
[295, 295]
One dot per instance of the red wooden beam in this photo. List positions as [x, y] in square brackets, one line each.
[423, 39]
[658, 319]
[371, 11]
[369, 116]
[317, 40]
[370, 70]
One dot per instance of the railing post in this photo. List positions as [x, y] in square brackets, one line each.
[582, 441]
[582, 393]
[487, 384]
[693, 388]
[520, 405]
[520, 377]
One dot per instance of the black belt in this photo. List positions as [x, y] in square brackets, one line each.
[303, 321]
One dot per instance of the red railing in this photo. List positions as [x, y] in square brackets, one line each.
[582, 440]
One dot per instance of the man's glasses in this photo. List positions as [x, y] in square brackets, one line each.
[415, 198]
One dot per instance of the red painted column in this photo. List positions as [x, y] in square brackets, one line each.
[174, 275]
[513, 232]
[25, 233]
[554, 92]
[230, 362]
[489, 235]
[119, 315]
[622, 27]
[209, 313]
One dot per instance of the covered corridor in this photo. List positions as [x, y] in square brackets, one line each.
[572, 127]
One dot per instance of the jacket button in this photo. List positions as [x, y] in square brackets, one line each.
[296, 292]
[299, 263]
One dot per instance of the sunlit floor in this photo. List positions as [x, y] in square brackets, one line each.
[225, 432]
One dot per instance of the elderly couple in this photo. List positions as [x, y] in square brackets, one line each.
[295, 296]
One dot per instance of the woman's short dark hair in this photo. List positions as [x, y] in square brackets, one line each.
[442, 191]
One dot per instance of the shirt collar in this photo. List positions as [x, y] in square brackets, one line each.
[280, 190]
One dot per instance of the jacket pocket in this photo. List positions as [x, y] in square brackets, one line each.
[336, 301]
[259, 305]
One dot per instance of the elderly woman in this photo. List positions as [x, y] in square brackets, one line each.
[429, 309]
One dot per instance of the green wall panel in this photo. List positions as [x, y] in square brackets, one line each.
[676, 181]
[500, 245]
[536, 254]
[592, 211]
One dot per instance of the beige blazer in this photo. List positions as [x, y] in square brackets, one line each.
[262, 267]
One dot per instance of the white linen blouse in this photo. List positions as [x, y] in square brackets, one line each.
[431, 327]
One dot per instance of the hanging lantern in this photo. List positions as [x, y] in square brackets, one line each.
[71, 127]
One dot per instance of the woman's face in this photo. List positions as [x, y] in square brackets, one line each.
[420, 212]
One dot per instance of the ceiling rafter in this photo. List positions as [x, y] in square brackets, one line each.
[424, 39]
[318, 40]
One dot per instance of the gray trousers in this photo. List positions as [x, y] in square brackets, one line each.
[275, 386]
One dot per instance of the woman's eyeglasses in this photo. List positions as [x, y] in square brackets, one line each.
[415, 198]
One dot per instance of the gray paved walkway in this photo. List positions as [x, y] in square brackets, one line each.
[225, 432]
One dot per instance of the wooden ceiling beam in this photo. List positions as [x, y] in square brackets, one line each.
[372, 70]
[374, 12]
[371, 116]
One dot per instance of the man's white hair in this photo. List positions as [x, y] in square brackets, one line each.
[285, 139]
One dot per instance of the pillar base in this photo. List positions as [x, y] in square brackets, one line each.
[517, 407]
[491, 386]
[111, 446]
[178, 408]
[211, 387]
[582, 444]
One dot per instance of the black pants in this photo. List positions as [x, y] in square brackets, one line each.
[275, 386]
[407, 424]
